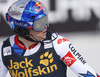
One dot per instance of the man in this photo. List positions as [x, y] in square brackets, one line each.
[34, 51]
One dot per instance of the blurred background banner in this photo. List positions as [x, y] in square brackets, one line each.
[64, 15]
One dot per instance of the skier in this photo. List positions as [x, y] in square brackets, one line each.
[34, 51]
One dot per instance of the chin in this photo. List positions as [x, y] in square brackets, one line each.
[44, 37]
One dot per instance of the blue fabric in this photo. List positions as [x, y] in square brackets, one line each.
[18, 50]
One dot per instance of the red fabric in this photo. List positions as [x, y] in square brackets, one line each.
[33, 46]
[21, 45]
[98, 75]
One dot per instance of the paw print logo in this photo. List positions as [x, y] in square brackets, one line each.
[48, 60]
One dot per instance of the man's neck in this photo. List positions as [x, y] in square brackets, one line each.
[27, 43]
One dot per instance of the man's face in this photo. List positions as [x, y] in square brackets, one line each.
[39, 35]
